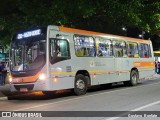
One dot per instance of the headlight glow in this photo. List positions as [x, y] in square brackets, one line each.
[10, 78]
[42, 76]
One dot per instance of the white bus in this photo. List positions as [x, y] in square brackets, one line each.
[157, 55]
[56, 58]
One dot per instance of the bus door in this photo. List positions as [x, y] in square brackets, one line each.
[59, 54]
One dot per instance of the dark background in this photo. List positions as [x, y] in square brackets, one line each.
[138, 17]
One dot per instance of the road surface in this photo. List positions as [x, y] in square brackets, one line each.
[143, 97]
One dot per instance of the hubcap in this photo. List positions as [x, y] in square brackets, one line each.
[80, 84]
[134, 78]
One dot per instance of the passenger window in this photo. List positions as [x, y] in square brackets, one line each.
[104, 47]
[84, 46]
[144, 50]
[132, 50]
[120, 48]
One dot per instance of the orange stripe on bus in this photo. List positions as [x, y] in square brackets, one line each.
[79, 31]
[27, 79]
[144, 64]
[85, 32]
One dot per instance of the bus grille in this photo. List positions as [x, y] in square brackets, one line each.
[29, 87]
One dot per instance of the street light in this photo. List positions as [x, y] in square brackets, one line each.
[124, 29]
[140, 35]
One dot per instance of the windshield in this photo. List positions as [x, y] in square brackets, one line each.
[26, 56]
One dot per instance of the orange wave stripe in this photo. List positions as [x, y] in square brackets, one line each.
[28, 79]
[144, 64]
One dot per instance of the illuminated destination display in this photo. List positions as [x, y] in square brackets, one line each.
[29, 34]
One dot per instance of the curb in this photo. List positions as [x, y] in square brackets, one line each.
[3, 98]
[4, 89]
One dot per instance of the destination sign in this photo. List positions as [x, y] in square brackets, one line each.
[29, 34]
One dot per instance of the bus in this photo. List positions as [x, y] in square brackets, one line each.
[55, 58]
[4, 57]
[157, 55]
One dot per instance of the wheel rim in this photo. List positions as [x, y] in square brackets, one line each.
[134, 78]
[80, 84]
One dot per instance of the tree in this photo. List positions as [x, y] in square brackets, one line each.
[106, 16]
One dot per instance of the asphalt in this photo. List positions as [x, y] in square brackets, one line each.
[2, 95]
[5, 91]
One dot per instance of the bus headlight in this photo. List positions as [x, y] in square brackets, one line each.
[42, 76]
[10, 78]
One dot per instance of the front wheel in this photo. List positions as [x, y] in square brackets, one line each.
[133, 78]
[80, 85]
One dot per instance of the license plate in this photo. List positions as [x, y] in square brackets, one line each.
[23, 90]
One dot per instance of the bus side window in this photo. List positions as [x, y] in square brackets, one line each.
[144, 50]
[104, 47]
[132, 50]
[92, 52]
[140, 49]
[136, 54]
[119, 48]
[79, 52]
[84, 46]
[125, 50]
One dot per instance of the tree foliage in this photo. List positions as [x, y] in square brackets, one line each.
[107, 16]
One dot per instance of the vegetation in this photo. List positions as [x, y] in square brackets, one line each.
[108, 16]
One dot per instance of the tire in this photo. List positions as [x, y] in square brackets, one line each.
[133, 78]
[80, 84]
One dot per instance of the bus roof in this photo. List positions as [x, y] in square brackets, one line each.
[78, 31]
